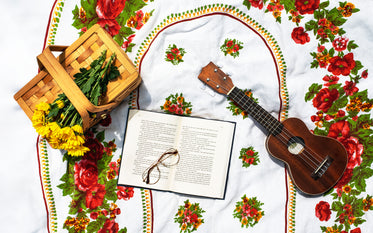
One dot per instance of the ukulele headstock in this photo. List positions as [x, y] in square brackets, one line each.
[216, 79]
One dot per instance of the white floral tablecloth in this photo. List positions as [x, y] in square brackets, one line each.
[296, 58]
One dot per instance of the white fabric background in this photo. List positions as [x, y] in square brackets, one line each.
[23, 30]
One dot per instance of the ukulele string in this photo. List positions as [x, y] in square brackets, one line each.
[309, 151]
[306, 149]
[307, 154]
[284, 140]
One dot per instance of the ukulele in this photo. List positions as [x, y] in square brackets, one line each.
[315, 163]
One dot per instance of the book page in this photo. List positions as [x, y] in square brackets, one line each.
[204, 148]
[148, 135]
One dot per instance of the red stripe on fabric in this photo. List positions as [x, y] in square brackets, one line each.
[49, 22]
[38, 138]
[41, 180]
[287, 201]
[151, 204]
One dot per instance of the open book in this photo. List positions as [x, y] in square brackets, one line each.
[204, 150]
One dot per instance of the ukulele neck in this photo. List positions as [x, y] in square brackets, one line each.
[264, 118]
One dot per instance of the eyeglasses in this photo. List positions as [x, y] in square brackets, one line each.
[168, 159]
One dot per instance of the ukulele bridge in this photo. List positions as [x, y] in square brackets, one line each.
[321, 169]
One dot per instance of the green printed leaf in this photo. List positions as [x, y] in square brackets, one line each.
[324, 5]
[111, 186]
[312, 91]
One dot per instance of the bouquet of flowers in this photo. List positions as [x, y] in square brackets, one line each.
[59, 122]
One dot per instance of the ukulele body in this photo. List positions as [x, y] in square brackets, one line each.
[315, 163]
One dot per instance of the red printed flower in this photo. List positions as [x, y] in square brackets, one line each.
[175, 51]
[110, 25]
[110, 226]
[350, 88]
[321, 48]
[250, 152]
[300, 36]
[356, 230]
[354, 150]
[306, 6]
[256, 3]
[343, 65]
[106, 122]
[322, 33]
[95, 196]
[340, 44]
[129, 40]
[172, 108]
[96, 149]
[253, 212]
[250, 160]
[322, 211]
[170, 56]
[340, 113]
[330, 80]
[364, 74]
[93, 215]
[193, 218]
[339, 130]
[246, 208]
[325, 98]
[125, 193]
[109, 9]
[139, 19]
[179, 111]
[229, 43]
[86, 175]
[236, 47]
[110, 148]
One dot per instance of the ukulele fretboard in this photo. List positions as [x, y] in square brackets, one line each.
[264, 118]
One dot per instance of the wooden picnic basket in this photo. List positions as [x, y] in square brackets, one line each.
[56, 76]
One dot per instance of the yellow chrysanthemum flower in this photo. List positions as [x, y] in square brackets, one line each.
[60, 104]
[78, 129]
[78, 151]
[55, 143]
[66, 133]
[43, 130]
[42, 106]
[75, 141]
[38, 119]
[55, 131]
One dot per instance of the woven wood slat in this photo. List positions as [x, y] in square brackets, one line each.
[45, 88]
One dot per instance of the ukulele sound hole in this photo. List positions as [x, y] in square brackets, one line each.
[295, 145]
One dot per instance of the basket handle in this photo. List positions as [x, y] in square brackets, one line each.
[48, 61]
